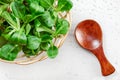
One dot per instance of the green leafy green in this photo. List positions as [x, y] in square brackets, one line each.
[47, 20]
[19, 37]
[29, 52]
[9, 52]
[37, 23]
[44, 29]
[3, 8]
[30, 17]
[33, 42]
[46, 3]
[10, 19]
[62, 26]
[18, 9]
[52, 52]
[31, 26]
[46, 38]
[28, 28]
[64, 5]
[36, 8]
[45, 46]
[5, 1]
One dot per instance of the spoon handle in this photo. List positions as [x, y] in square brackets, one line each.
[106, 66]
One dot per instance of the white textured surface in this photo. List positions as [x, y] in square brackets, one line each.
[73, 62]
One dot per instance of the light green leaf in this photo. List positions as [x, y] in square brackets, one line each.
[28, 28]
[3, 8]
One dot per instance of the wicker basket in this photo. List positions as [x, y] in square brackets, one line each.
[23, 60]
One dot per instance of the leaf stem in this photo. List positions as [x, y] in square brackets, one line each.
[18, 23]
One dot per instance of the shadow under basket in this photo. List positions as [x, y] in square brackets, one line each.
[23, 60]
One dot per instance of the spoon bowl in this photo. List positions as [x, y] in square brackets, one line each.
[89, 35]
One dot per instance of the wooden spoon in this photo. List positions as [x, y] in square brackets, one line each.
[89, 35]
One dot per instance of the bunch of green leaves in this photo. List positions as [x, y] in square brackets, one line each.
[31, 26]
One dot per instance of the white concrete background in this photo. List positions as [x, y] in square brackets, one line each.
[73, 62]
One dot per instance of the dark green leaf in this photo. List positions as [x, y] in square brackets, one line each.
[33, 42]
[5, 1]
[62, 26]
[46, 38]
[37, 25]
[2, 41]
[45, 46]
[1, 21]
[18, 9]
[0, 32]
[52, 52]
[47, 20]
[36, 8]
[29, 52]
[54, 15]
[64, 5]
[46, 3]
[9, 52]
[35, 33]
